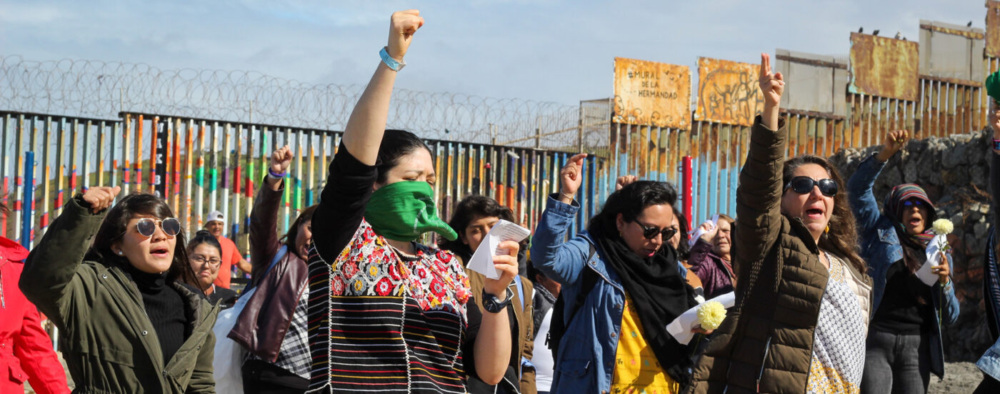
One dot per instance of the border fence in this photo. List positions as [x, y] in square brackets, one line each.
[70, 125]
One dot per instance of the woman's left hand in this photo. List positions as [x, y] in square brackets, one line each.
[506, 266]
[943, 270]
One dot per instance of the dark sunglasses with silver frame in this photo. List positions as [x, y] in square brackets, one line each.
[147, 226]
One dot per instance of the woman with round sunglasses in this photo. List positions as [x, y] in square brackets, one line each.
[205, 255]
[803, 300]
[904, 342]
[622, 285]
[384, 308]
[113, 280]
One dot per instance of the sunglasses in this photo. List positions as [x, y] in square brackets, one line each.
[804, 185]
[147, 226]
[914, 203]
[650, 232]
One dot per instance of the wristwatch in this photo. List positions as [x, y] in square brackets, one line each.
[492, 304]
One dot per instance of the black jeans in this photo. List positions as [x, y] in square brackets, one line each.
[896, 363]
[261, 377]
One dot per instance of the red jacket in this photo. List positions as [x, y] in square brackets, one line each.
[25, 349]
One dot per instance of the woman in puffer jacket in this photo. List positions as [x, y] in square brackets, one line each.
[803, 298]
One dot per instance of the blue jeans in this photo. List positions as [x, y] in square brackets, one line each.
[896, 363]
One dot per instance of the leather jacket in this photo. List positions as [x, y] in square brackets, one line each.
[262, 325]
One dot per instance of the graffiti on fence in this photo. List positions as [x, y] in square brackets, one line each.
[884, 67]
[727, 92]
[651, 93]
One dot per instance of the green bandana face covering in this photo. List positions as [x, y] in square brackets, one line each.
[402, 211]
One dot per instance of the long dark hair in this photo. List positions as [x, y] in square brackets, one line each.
[683, 250]
[293, 231]
[468, 209]
[116, 223]
[630, 201]
[396, 144]
[842, 239]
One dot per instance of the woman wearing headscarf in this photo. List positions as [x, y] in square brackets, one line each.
[904, 342]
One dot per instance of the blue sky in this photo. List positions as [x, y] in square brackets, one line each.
[541, 50]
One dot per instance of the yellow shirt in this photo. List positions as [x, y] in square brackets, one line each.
[636, 367]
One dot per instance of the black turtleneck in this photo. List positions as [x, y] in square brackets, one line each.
[165, 308]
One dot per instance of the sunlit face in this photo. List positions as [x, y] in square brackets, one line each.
[675, 241]
[915, 216]
[813, 208]
[473, 234]
[303, 238]
[215, 227]
[660, 216]
[414, 166]
[205, 260]
[151, 254]
[722, 242]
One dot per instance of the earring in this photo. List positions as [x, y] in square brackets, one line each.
[120, 253]
[828, 229]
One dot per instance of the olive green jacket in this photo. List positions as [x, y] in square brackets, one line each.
[765, 343]
[106, 338]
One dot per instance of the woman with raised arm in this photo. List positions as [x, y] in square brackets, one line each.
[273, 325]
[711, 259]
[803, 300]
[383, 309]
[904, 342]
[622, 284]
[113, 280]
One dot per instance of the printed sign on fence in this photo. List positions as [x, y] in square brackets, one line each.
[728, 92]
[651, 93]
[993, 28]
[884, 67]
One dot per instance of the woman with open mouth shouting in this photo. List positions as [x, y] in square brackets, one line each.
[904, 342]
[112, 279]
[803, 298]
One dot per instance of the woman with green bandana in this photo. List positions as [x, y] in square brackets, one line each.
[386, 312]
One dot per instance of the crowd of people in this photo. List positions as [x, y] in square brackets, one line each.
[348, 300]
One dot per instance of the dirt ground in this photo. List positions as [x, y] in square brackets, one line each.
[958, 378]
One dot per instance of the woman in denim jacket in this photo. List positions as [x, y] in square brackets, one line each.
[616, 341]
[904, 340]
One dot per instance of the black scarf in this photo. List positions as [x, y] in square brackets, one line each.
[659, 294]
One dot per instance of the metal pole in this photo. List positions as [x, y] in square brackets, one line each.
[688, 190]
[26, 208]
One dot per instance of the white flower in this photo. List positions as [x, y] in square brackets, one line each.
[943, 227]
[711, 314]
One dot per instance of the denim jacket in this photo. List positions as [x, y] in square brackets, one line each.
[990, 362]
[881, 247]
[586, 358]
